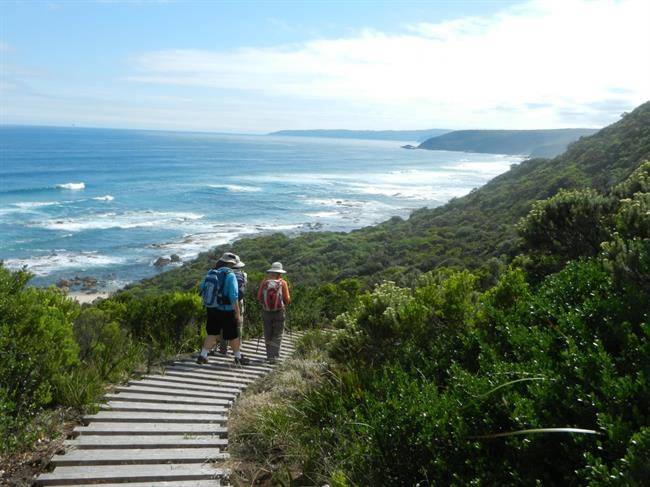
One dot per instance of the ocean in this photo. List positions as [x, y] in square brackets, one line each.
[104, 203]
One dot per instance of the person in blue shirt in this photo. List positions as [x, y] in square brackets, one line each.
[223, 314]
[242, 281]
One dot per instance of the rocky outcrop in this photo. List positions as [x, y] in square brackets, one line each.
[86, 283]
[162, 262]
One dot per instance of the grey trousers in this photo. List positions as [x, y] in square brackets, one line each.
[273, 329]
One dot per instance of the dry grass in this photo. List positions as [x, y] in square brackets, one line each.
[263, 426]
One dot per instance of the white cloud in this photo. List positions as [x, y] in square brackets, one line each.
[539, 64]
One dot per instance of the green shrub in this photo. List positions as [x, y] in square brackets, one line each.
[105, 345]
[37, 348]
[166, 324]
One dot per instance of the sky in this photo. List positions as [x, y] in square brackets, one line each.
[255, 67]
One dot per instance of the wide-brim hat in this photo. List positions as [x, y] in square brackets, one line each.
[229, 258]
[239, 263]
[276, 268]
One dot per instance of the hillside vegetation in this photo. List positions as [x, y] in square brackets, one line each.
[541, 378]
[534, 143]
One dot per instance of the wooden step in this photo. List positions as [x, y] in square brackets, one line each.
[120, 428]
[217, 386]
[185, 378]
[147, 396]
[161, 391]
[215, 370]
[130, 473]
[162, 407]
[202, 378]
[92, 442]
[262, 348]
[259, 365]
[147, 417]
[138, 456]
[181, 483]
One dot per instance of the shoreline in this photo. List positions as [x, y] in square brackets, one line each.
[88, 298]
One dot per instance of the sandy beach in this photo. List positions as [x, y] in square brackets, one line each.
[85, 298]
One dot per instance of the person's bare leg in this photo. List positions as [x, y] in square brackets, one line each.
[209, 341]
[235, 344]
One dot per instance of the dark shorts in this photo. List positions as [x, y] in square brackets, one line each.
[222, 323]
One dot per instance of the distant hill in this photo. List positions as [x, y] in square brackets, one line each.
[535, 143]
[401, 135]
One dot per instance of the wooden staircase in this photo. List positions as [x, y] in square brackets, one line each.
[163, 430]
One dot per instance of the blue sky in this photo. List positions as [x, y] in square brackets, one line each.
[261, 66]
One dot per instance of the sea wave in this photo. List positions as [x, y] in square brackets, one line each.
[190, 245]
[72, 186]
[484, 168]
[108, 197]
[414, 193]
[27, 205]
[325, 214]
[43, 265]
[236, 188]
[336, 202]
[126, 220]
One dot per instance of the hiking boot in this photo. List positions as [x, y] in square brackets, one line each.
[242, 361]
[202, 360]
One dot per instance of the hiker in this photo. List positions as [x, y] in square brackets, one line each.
[273, 295]
[220, 298]
[242, 281]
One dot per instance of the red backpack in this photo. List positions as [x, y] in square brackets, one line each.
[272, 299]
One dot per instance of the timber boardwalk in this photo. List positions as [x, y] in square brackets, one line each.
[163, 430]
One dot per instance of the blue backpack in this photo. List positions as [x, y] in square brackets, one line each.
[212, 288]
[242, 280]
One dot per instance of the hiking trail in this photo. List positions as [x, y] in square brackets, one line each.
[163, 430]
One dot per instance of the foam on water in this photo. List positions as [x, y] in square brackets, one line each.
[46, 264]
[335, 202]
[413, 193]
[190, 245]
[28, 205]
[108, 197]
[126, 220]
[72, 186]
[236, 188]
[325, 214]
[487, 168]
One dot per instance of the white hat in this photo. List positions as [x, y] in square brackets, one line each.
[239, 263]
[276, 268]
[229, 258]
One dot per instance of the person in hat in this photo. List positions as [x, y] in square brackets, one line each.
[221, 300]
[242, 281]
[273, 295]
